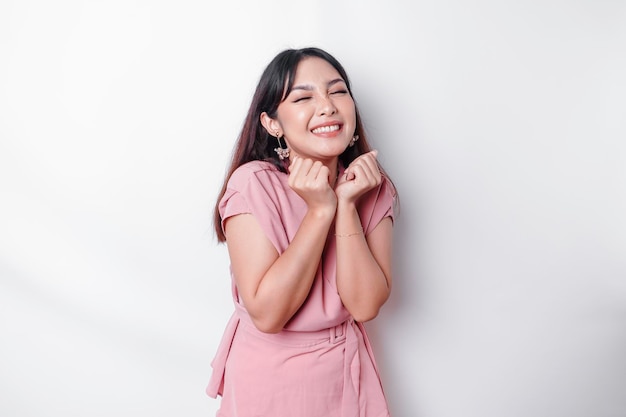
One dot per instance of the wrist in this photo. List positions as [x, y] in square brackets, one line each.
[326, 214]
[357, 232]
[346, 206]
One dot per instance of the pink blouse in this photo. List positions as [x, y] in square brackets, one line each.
[260, 189]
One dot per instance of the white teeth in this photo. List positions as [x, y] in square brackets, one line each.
[326, 129]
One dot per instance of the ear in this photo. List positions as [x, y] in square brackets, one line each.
[271, 125]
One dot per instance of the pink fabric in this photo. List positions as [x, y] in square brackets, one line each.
[321, 364]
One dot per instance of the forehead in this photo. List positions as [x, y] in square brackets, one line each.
[313, 70]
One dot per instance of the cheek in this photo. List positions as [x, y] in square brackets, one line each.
[293, 119]
[348, 107]
[350, 114]
[300, 120]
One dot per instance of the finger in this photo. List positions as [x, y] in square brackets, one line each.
[305, 166]
[305, 174]
[300, 169]
[370, 157]
[363, 175]
[324, 174]
[356, 174]
[370, 154]
[319, 174]
[369, 163]
[314, 169]
[372, 167]
[366, 156]
[294, 167]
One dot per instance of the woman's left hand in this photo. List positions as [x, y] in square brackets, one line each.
[359, 177]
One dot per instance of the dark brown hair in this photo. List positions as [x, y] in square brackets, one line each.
[255, 143]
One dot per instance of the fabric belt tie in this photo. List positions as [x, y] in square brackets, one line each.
[346, 331]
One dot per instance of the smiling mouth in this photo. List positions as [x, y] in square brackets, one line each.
[326, 129]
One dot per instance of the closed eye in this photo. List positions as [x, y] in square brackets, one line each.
[299, 99]
[339, 92]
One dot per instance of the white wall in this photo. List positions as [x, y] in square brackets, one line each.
[502, 124]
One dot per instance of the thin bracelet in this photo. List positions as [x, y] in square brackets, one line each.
[349, 234]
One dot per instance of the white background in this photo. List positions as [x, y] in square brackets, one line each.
[501, 122]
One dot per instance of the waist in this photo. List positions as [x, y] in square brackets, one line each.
[333, 334]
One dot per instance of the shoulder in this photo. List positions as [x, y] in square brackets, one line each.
[248, 189]
[253, 171]
[385, 191]
[388, 188]
[254, 167]
[377, 204]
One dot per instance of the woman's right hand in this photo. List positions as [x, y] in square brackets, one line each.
[310, 180]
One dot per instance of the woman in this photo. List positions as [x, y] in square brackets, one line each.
[306, 212]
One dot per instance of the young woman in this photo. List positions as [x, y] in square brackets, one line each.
[306, 212]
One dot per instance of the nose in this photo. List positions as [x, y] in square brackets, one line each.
[327, 107]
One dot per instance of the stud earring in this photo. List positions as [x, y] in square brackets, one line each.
[283, 153]
[354, 139]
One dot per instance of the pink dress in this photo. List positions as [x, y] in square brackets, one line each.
[321, 364]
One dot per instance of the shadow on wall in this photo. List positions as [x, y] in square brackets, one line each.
[400, 316]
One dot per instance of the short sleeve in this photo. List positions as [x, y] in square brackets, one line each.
[255, 188]
[378, 204]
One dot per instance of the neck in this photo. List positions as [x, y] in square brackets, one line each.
[333, 167]
[334, 173]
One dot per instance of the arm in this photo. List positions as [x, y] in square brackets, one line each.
[363, 262]
[364, 267]
[274, 287]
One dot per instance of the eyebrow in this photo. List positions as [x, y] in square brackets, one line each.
[308, 87]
